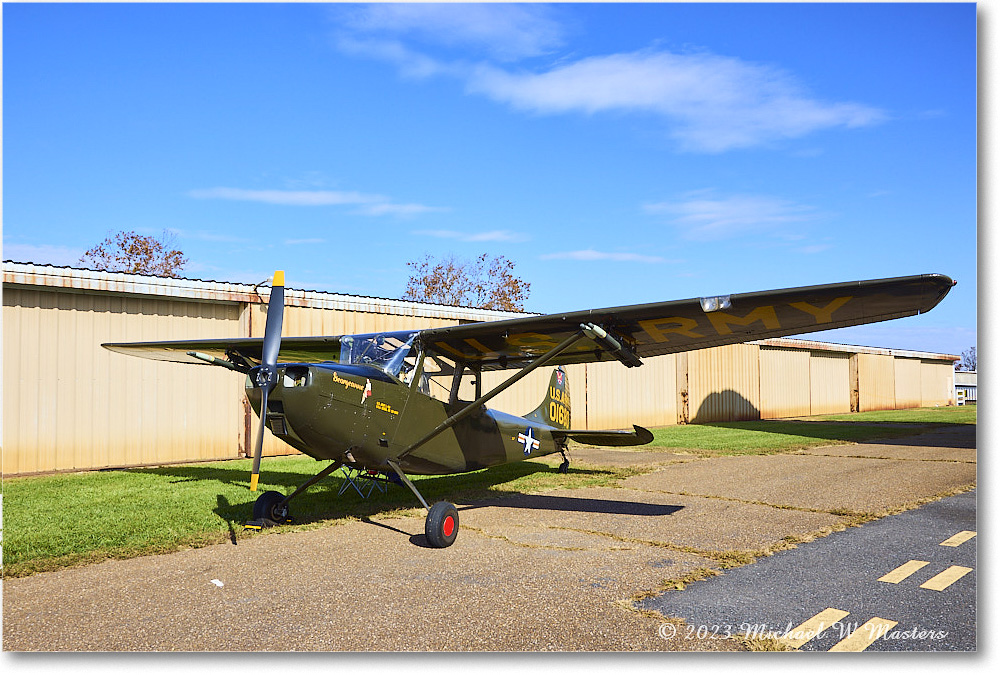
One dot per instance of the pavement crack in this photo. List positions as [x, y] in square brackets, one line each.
[895, 459]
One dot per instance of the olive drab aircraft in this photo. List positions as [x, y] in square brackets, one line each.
[366, 401]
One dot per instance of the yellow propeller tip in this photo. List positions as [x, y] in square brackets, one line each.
[253, 482]
[279, 278]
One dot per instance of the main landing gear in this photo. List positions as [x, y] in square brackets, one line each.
[440, 528]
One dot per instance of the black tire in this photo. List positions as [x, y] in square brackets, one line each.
[564, 467]
[441, 526]
[266, 507]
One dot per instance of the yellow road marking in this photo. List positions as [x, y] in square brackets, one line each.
[860, 639]
[903, 571]
[810, 628]
[942, 581]
[958, 539]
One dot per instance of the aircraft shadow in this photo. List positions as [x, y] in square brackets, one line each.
[322, 501]
[546, 502]
[937, 434]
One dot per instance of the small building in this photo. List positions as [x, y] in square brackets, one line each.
[70, 405]
[965, 386]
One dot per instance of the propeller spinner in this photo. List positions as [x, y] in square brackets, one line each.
[265, 376]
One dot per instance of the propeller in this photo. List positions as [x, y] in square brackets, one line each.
[265, 376]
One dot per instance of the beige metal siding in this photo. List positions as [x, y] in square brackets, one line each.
[303, 321]
[830, 383]
[937, 383]
[876, 382]
[724, 383]
[784, 382]
[69, 404]
[619, 397]
[907, 382]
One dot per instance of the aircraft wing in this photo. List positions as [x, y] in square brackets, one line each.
[639, 330]
[683, 325]
[293, 350]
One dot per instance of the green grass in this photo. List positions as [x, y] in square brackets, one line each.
[70, 519]
[774, 436]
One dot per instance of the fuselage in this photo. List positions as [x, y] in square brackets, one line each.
[362, 416]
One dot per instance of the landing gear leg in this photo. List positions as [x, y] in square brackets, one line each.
[441, 526]
[564, 467]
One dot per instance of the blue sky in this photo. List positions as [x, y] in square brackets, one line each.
[617, 154]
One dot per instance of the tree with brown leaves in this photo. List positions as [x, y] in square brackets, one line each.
[136, 254]
[486, 283]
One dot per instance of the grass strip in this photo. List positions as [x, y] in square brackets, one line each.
[760, 437]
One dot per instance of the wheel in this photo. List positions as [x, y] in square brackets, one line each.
[564, 467]
[266, 507]
[441, 526]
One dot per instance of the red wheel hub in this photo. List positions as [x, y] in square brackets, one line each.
[448, 526]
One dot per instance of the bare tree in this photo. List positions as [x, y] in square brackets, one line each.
[487, 283]
[136, 254]
[968, 361]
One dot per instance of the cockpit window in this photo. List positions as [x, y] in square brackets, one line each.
[386, 351]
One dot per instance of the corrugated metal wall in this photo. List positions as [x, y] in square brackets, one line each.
[784, 382]
[937, 383]
[724, 383]
[907, 379]
[876, 382]
[829, 383]
[618, 397]
[69, 404]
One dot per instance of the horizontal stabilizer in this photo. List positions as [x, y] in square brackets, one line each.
[638, 436]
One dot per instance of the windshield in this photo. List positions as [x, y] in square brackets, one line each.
[386, 351]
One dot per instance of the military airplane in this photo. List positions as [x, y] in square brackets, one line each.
[365, 401]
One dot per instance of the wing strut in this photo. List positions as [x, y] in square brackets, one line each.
[503, 386]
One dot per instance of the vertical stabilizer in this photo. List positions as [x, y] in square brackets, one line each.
[554, 409]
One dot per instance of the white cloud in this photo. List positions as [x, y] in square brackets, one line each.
[296, 242]
[592, 255]
[288, 197]
[410, 63]
[43, 254]
[492, 235]
[703, 218]
[708, 103]
[505, 32]
[403, 210]
[369, 204]
[712, 103]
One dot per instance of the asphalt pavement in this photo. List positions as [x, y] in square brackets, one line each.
[902, 583]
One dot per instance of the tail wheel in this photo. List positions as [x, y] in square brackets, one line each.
[267, 507]
[441, 527]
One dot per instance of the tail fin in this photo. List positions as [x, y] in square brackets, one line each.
[554, 409]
